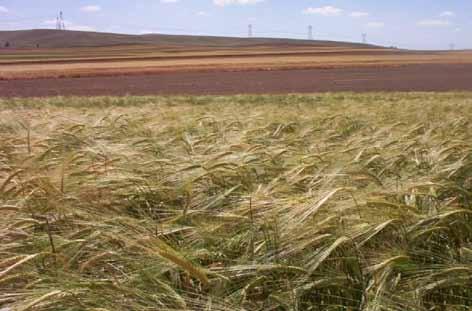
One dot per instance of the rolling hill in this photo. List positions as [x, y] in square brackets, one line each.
[48, 38]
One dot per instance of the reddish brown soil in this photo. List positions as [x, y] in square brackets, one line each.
[426, 77]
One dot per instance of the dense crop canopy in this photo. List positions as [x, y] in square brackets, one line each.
[328, 202]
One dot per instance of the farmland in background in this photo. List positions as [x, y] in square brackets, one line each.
[316, 202]
[78, 54]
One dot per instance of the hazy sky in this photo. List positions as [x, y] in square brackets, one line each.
[418, 24]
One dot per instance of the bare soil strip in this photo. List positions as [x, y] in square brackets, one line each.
[421, 77]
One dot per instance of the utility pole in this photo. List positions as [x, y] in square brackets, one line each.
[310, 32]
[364, 38]
[249, 31]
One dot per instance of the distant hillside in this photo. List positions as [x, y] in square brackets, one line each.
[47, 38]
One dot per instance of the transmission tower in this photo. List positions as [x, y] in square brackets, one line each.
[310, 32]
[364, 38]
[452, 46]
[58, 24]
[249, 31]
[61, 21]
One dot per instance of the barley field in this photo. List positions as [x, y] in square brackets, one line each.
[314, 202]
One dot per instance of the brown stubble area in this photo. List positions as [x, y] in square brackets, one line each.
[418, 77]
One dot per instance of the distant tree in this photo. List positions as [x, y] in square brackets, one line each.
[7, 44]
[37, 46]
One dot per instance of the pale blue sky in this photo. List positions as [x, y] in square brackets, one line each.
[416, 24]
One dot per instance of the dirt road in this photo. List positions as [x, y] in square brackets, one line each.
[427, 77]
